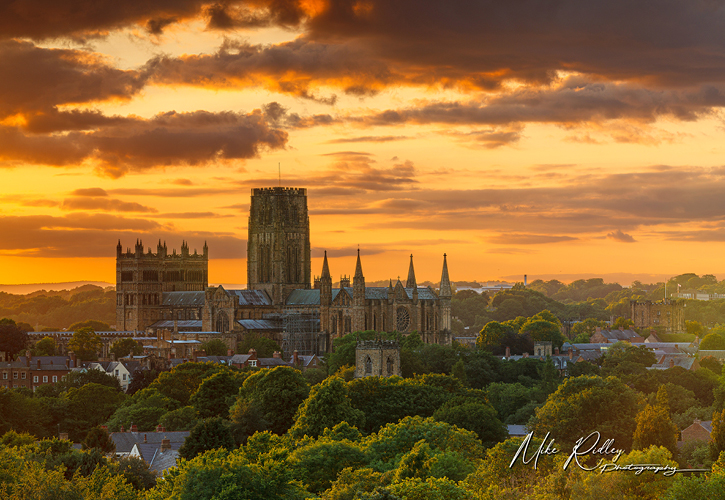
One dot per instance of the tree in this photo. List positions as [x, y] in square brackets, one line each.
[318, 464]
[217, 347]
[712, 364]
[694, 328]
[183, 381]
[126, 347]
[277, 393]
[79, 379]
[85, 343]
[474, 416]
[13, 339]
[712, 342]
[459, 371]
[543, 330]
[717, 436]
[44, 347]
[99, 438]
[208, 434]
[623, 323]
[586, 328]
[491, 335]
[181, 419]
[96, 326]
[586, 404]
[327, 405]
[247, 419]
[623, 358]
[89, 406]
[655, 428]
[264, 346]
[136, 471]
[214, 396]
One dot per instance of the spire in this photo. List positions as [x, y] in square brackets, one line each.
[445, 281]
[391, 284]
[411, 283]
[325, 268]
[358, 266]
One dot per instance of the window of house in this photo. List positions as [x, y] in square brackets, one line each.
[253, 362]
[23, 375]
[15, 375]
[55, 378]
[5, 375]
[45, 379]
[124, 377]
[117, 373]
[35, 379]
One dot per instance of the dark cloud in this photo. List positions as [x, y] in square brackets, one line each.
[369, 138]
[104, 204]
[529, 239]
[38, 79]
[195, 138]
[182, 182]
[90, 192]
[618, 235]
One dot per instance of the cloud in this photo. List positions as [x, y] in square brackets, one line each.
[369, 138]
[618, 235]
[90, 192]
[529, 239]
[104, 204]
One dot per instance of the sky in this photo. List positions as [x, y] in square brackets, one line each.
[549, 138]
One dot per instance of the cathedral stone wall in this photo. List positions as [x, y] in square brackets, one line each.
[377, 358]
[667, 315]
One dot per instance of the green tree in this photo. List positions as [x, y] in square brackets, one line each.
[183, 381]
[264, 346]
[217, 347]
[711, 363]
[586, 404]
[491, 335]
[181, 419]
[543, 330]
[44, 347]
[15, 439]
[136, 472]
[431, 488]
[327, 405]
[459, 371]
[474, 416]
[216, 393]
[623, 323]
[623, 357]
[13, 340]
[145, 409]
[694, 328]
[99, 438]
[126, 347]
[96, 326]
[318, 464]
[717, 436]
[208, 434]
[89, 406]
[587, 328]
[712, 342]
[85, 343]
[247, 419]
[277, 393]
[77, 379]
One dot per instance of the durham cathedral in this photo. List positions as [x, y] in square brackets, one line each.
[169, 291]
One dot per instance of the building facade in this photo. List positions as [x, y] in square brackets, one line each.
[667, 315]
[158, 291]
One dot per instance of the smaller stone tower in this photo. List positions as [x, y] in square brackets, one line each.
[377, 358]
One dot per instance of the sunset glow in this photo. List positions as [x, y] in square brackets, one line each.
[517, 137]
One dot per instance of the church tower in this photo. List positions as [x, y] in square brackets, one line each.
[278, 245]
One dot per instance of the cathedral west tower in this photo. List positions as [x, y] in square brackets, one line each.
[278, 245]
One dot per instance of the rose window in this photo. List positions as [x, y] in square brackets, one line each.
[402, 320]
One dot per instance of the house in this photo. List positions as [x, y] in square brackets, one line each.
[126, 441]
[516, 430]
[114, 368]
[611, 336]
[682, 360]
[305, 362]
[159, 457]
[698, 431]
[33, 371]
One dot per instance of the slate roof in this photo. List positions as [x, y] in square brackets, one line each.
[240, 358]
[163, 460]
[270, 362]
[619, 334]
[251, 297]
[182, 323]
[717, 354]
[259, 324]
[376, 292]
[125, 440]
[220, 360]
[304, 298]
[681, 360]
[183, 299]
[516, 430]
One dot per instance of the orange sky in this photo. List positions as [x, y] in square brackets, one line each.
[576, 138]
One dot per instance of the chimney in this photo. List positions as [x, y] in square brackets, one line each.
[252, 353]
[122, 429]
[2, 356]
[526, 354]
[134, 428]
[556, 351]
[72, 358]
[277, 354]
[144, 439]
[38, 361]
[697, 339]
[195, 356]
[63, 436]
[598, 329]
[571, 353]
[113, 357]
[296, 357]
[696, 421]
[672, 363]
[159, 428]
[27, 359]
[165, 444]
[104, 427]
[508, 352]
[524, 280]
[230, 353]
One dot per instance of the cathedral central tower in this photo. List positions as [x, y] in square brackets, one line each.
[278, 245]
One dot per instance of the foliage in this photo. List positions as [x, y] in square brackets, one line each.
[318, 464]
[223, 475]
[77, 379]
[208, 434]
[264, 346]
[181, 419]
[586, 404]
[492, 334]
[327, 405]
[717, 436]
[623, 357]
[141, 379]
[277, 393]
[216, 394]
[247, 418]
[655, 428]
[183, 381]
[14, 439]
[89, 406]
[13, 339]
[586, 328]
[44, 347]
[711, 363]
[475, 416]
[145, 409]
[712, 341]
[136, 472]
[97, 326]
[126, 347]
[543, 330]
[217, 347]
[85, 343]
[99, 438]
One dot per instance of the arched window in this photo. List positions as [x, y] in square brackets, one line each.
[222, 322]
[368, 365]
[391, 366]
[334, 324]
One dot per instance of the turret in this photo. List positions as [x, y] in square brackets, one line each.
[206, 251]
[159, 249]
[358, 298]
[184, 249]
[119, 249]
[445, 291]
[325, 283]
[139, 248]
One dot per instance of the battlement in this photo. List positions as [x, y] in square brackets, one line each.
[279, 191]
[377, 344]
[161, 252]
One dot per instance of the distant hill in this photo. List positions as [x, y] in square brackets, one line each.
[34, 287]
